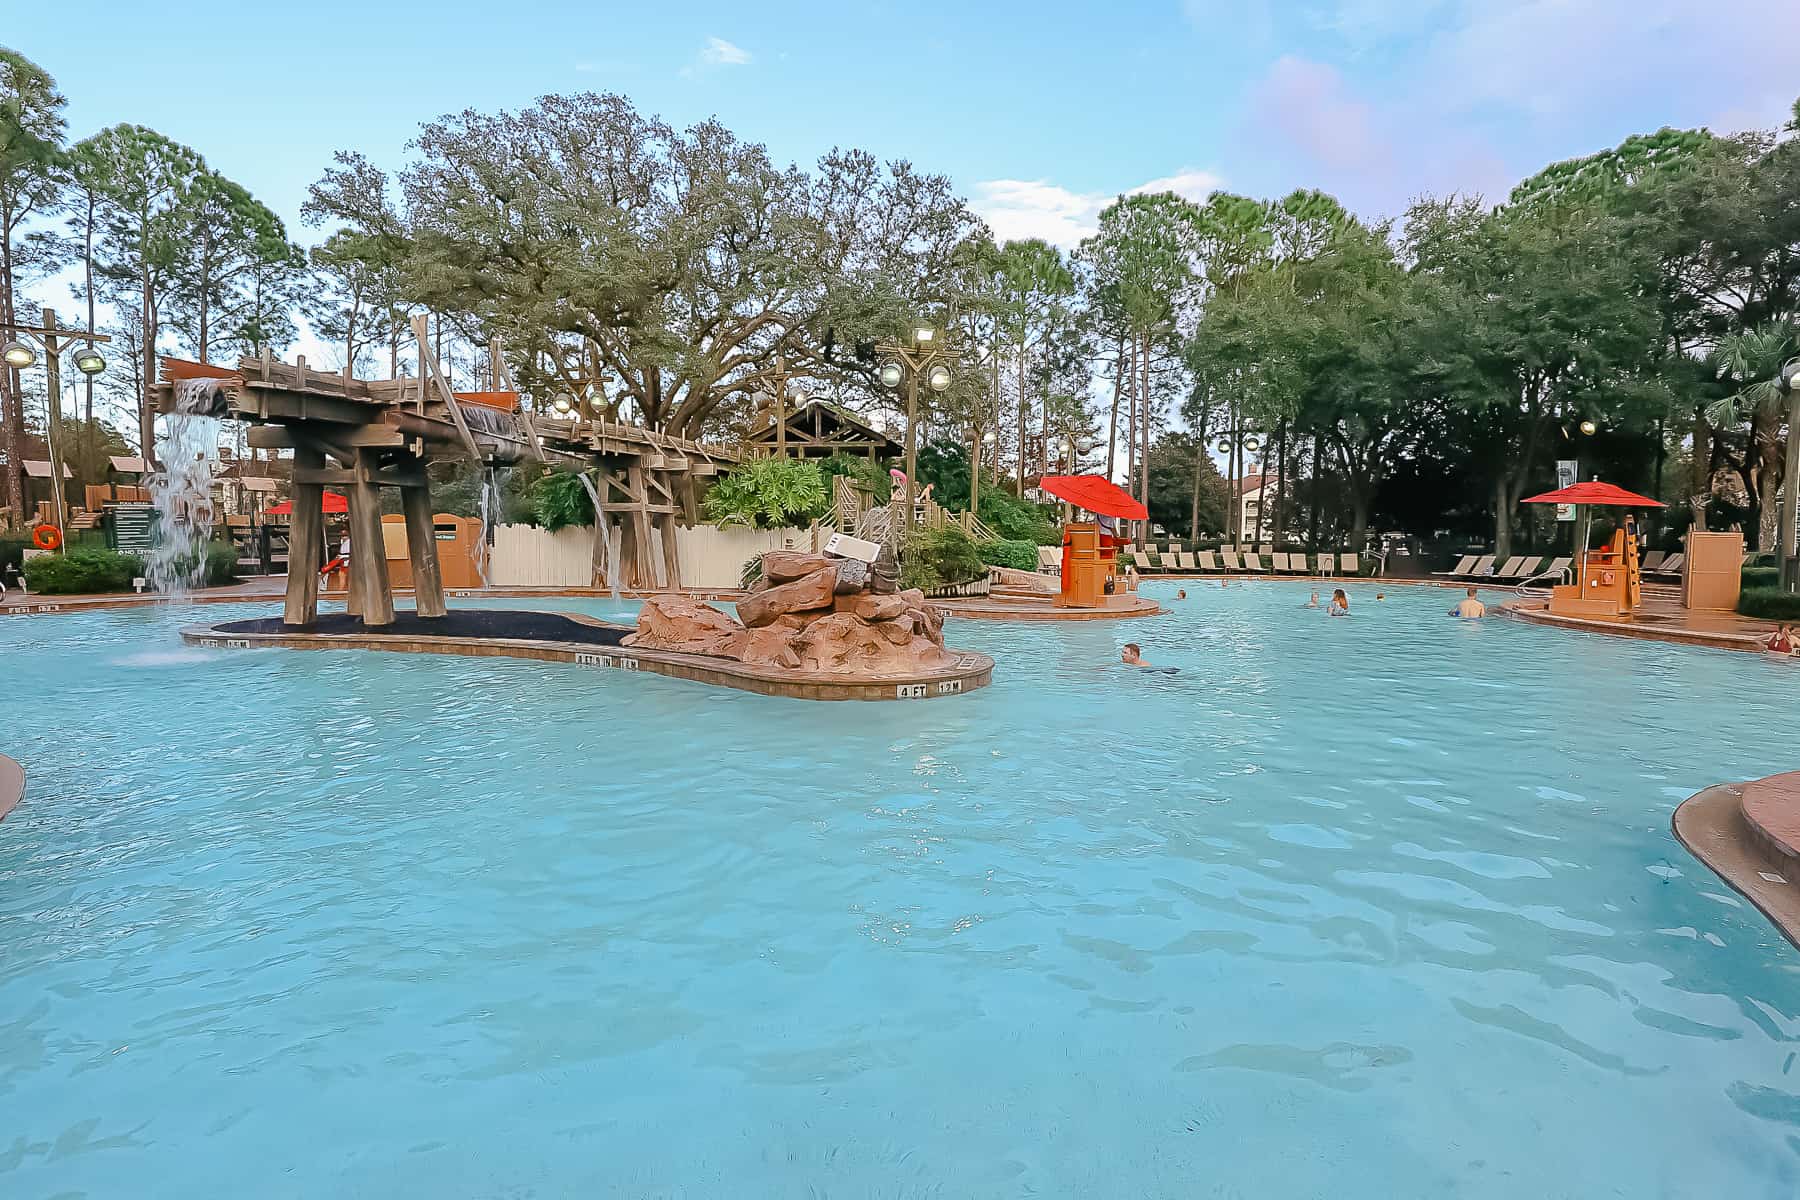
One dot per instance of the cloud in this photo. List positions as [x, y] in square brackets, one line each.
[720, 53]
[1016, 209]
[1307, 104]
[715, 53]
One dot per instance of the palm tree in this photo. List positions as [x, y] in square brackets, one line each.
[1753, 359]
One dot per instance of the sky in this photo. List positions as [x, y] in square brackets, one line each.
[1040, 112]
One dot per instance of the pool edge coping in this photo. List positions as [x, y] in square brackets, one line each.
[973, 670]
[12, 785]
[1712, 826]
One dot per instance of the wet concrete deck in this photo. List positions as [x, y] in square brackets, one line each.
[1659, 618]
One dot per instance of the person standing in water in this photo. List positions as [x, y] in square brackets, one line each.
[1314, 602]
[1340, 604]
[1470, 608]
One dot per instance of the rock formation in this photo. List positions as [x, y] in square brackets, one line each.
[809, 612]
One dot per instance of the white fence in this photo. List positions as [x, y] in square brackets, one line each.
[526, 556]
[711, 556]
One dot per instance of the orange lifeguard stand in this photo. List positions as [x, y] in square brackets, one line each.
[1090, 566]
[1608, 583]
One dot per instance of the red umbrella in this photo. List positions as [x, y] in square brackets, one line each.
[334, 503]
[1095, 494]
[1595, 492]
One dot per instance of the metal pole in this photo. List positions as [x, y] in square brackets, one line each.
[780, 406]
[53, 376]
[912, 438]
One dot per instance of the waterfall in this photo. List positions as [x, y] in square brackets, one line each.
[182, 488]
[606, 537]
[615, 534]
[491, 511]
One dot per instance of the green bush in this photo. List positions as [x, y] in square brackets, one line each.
[872, 475]
[1008, 552]
[221, 564]
[935, 558]
[1757, 578]
[12, 550]
[559, 500]
[83, 571]
[1770, 604]
[1017, 520]
[769, 493]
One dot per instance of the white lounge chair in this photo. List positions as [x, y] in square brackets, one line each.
[1184, 562]
[1230, 559]
[1652, 561]
[1522, 568]
[1253, 562]
[1203, 559]
[1462, 567]
[1511, 565]
[1483, 568]
[1671, 567]
[1349, 564]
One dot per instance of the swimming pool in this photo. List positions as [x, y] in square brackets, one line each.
[1377, 907]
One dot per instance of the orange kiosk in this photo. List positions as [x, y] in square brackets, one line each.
[1090, 553]
[1608, 583]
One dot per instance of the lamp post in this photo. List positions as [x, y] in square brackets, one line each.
[19, 354]
[1788, 381]
[1235, 443]
[923, 355]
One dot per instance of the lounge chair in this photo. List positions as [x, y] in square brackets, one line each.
[1524, 568]
[1324, 565]
[1483, 568]
[1230, 559]
[1348, 564]
[1253, 562]
[1652, 561]
[1556, 570]
[1184, 562]
[1671, 567]
[1512, 564]
[1462, 567]
[1204, 561]
[1278, 562]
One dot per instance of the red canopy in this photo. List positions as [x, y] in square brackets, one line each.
[1595, 492]
[334, 503]
[1095, 494]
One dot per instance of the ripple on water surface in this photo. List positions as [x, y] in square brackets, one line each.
[1378, 907]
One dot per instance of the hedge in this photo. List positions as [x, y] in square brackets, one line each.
[1770, 604]
[1009, 552]
[1761, 577]
[85, 571]
[934, 558]
[82, 571]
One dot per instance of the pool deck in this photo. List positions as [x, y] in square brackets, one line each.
[271, 588]
[588, 643]
[1749, 835]
[12, 785]
[1043, 608]
[1660, 618]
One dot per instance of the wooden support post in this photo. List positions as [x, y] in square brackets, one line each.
[421, 548]
[368, 554]
[650, 566]
[306, 544]
[671, 551]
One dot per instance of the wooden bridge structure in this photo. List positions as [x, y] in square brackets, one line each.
[363, 435]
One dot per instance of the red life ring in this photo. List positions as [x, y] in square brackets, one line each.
[46, 537]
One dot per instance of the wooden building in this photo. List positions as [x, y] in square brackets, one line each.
[818, 428]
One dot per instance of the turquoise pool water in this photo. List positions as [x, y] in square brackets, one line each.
[1369, 908]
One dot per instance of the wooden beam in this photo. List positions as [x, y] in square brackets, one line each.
[409, 476]
[287, 437]
[368, 551]
[306, 533]
[421, 548]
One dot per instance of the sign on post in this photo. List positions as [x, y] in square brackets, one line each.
[1566, 471]
[845, 546]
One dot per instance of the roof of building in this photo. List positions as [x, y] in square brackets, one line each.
[127, 463]
[37, 468]
[826, 413]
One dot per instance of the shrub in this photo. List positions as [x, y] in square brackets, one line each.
[935, 558]
[769, 493]
[559, 500]
[1017, 520]
[1758, 578]
[221, 564]
[1009, 552]
[12, 550]
[1770, 604]
[871, 475]
[82, 571]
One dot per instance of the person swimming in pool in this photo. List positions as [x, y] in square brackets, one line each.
[1133, 655]
[1340, 604]
[1470, 608]
[1181, 593]
[1314, 602]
